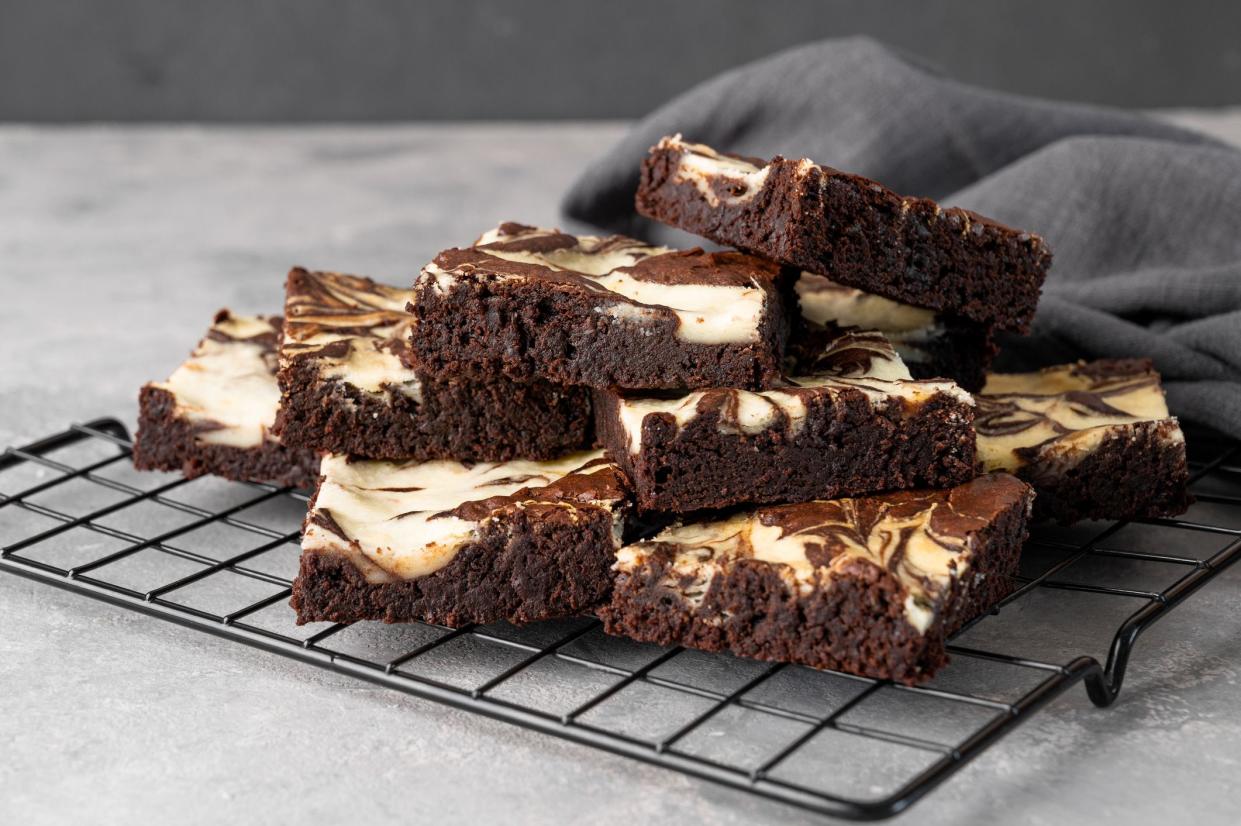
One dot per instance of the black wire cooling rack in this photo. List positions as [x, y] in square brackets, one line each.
[219, 557]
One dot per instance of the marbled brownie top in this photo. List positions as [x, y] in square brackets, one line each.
[403, 520]
[714, 297]
[852, 360]
[926, 539]
[352, 329]
[227, 389]
[1065, 412]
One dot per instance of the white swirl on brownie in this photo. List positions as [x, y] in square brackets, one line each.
[352, 328]
[227, 388]
[403, 520]
[1061, 414]
[922, 538]
[862, 361]
[715, 298]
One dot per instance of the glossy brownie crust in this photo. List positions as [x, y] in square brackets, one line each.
[857, 625]
[860, 234]
[533, 562]
[168, 442]
[491, 421]
[844, 447]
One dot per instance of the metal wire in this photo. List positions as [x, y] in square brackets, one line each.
[603, 670]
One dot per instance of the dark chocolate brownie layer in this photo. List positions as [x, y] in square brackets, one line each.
[347, 388]
[167, 442]
[600, 312]
[1136, 474]
[1093, 438]
[215, 413]
[850, 599]
[457, 543]
[855, 424]
[849, 228]
[536, 562]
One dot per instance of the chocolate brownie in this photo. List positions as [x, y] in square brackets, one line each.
[849, 228]
[601, 312]
[345, 387]
[932, 345]
[872, 586]
[852, 421]
[455, 543]
[214, 414]
[1094, 439]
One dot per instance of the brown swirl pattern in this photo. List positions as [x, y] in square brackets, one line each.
[325, 308]
[596, 256]
[1020, 415]
[401, 520]
[847, 353]
[350, 330]
[923, 538]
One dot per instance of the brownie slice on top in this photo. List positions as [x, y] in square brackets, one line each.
[1094, 439]
[215, 413]
[850, 421]
[455, 543]
[873, 585]
[347, 387]
[849, 228]
[533, 303]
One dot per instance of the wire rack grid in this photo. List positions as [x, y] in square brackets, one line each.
[219, 557]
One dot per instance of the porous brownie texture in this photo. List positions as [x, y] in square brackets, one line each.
[469, 420]
[854, 230]
[1135, 474]
[460, 542]
[845, 446]
[168, 442]
[1095, 439]
[347, 386]
[534, 562]
[483, 316]
[856, 625]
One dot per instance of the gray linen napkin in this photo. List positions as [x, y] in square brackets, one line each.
[1144, 218]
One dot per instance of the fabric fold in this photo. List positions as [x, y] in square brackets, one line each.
[1142, 215]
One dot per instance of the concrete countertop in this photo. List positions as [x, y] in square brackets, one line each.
[116, 246]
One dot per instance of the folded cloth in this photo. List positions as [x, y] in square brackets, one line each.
[1144, 217]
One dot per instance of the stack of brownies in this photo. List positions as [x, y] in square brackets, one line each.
[792, 450]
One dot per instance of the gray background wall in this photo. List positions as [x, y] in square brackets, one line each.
[309, 60]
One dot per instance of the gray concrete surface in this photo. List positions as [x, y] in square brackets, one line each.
[115, 247]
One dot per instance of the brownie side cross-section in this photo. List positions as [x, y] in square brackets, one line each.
[850, 421]
[347, 387]
[1095, 439]
[455, 543]
[872, 586]
[849, 228]
[215, 413]
[601, 312]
